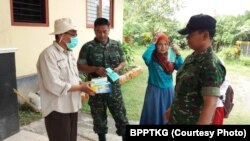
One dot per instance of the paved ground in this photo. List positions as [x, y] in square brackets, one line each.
[36, 130]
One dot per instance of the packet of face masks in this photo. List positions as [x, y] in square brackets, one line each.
[112, 75]
[171, 55]
[100, 85]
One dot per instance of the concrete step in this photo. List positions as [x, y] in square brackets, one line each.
[36, 130]
[24, 135]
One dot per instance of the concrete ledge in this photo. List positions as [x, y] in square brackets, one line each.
[130, 74]
[26, 136]
[27, 84]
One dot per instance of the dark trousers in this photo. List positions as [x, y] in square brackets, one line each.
[61, 127]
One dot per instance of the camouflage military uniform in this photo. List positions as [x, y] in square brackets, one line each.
[110, 55]
[200, 75]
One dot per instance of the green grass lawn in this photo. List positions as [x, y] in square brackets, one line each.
[134, 90]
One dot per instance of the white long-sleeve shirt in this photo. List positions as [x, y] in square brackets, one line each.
[223, 90]
[57, 71]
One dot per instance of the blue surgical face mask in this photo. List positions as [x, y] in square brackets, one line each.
[73, 42]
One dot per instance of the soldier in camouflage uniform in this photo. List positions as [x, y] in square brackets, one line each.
[198, 80]
[94, 57]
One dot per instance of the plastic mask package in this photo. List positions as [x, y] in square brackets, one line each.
[112, 75]
[100, 85]
[171, 55]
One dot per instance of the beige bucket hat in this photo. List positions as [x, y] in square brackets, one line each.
[63, 25]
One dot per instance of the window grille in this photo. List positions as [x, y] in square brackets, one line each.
[29, 11]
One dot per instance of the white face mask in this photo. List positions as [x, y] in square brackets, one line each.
[73, 42]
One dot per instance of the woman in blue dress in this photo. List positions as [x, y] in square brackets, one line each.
[160, 90]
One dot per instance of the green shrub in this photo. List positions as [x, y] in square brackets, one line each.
[146, 38]
[232, 53]
[129, 53]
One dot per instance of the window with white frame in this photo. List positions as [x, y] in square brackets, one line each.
[99, 8]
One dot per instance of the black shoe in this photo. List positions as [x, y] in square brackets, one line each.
[102, 137]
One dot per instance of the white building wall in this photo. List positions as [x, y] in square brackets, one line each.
[31, 40]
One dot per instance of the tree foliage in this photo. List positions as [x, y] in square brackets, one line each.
[143, 18]
[150, 16]
[232, 28]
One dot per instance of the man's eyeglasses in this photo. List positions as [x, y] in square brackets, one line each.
[71, 34]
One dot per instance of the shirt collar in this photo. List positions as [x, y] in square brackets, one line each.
[199, 57]
[59, 48]
[98, 42]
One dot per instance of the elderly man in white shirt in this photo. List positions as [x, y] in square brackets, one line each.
[60, 85]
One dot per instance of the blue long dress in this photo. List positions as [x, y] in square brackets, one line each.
[160, 90]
